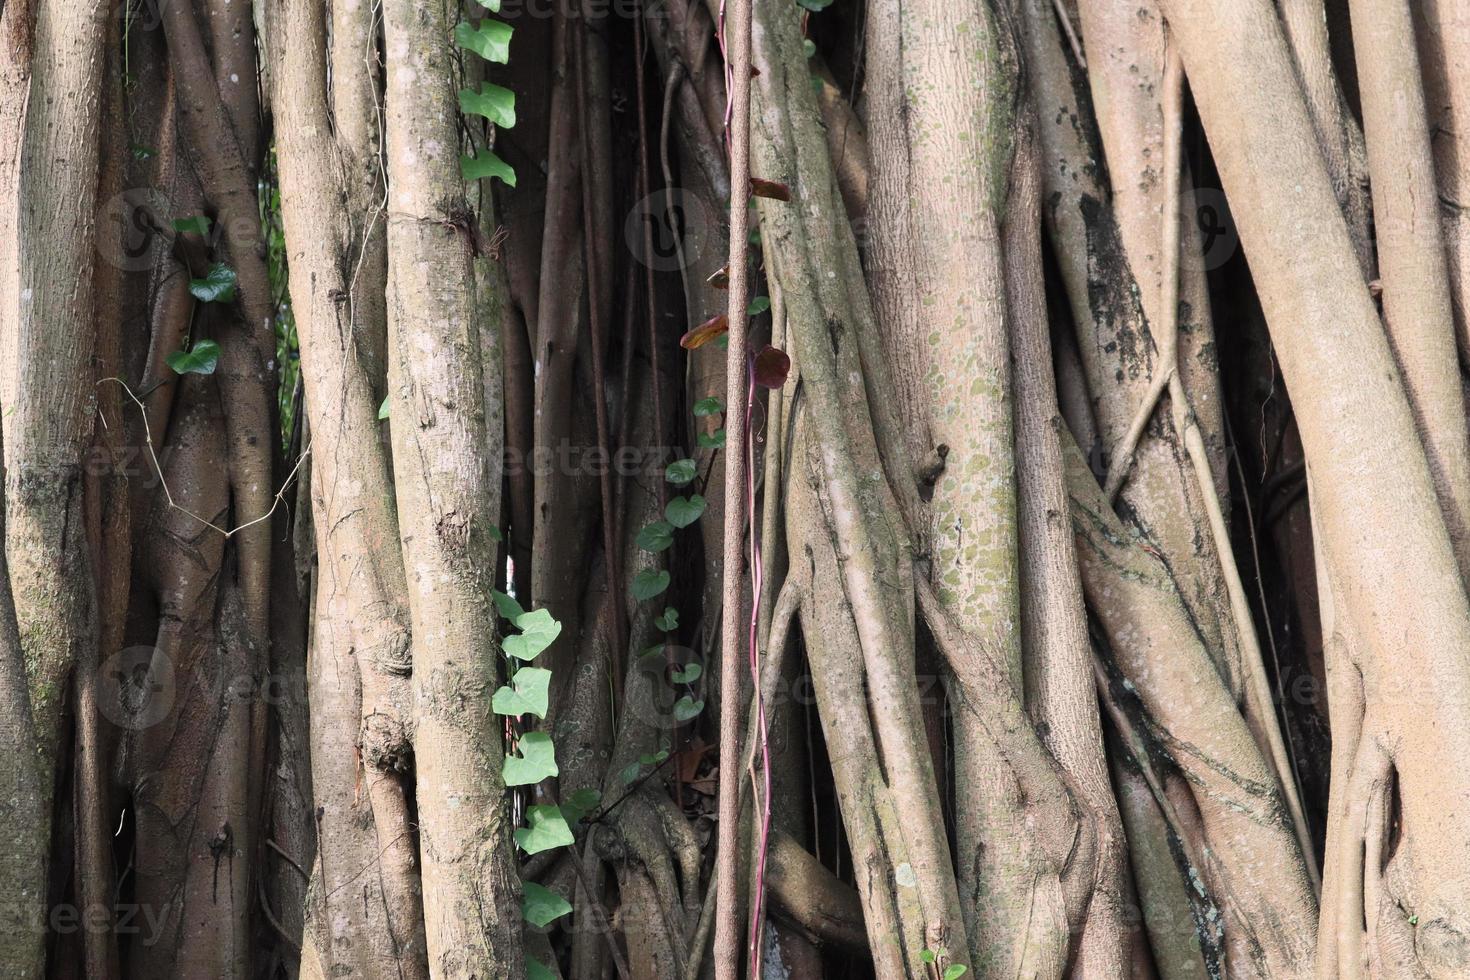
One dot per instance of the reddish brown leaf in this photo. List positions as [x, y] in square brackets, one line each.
[705, 332]
[769, 188]
[771, 367]
[720, 278]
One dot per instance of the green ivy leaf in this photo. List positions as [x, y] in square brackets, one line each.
[669, 621]
[491, 5]
[656, 536]
[536, 970]
[217, 286]
[680, 471]
[954, 971]
[536, 762]
[537, 631]
[487, 164]
[581, 803]
[688, 675]
[758, 305]
[383, 409]
[808, 47]
[631, 771]
[490, 39]
[548, 829]
[541, 906]
[649, 583]
[708, 406]
[712, 440]
[506, 605]
[684, 511]
[686, 708]
[202, 358]
[526, 695]
[198, 224]
[495, 103]
[926, 955]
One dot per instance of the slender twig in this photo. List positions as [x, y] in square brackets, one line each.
[1066, 21]
[757, 581]
[270, 842]
[163, 482]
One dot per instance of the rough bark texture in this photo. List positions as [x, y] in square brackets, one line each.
[448, 503]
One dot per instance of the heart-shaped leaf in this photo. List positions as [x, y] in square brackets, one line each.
[541, 906]
[547, 829]
[712, 440]
[771, 367]
[686, 708]
[708, 406]
[668, 621]
[195, 224]
[632, 770]
[526, 695]
[217, 286]
[680, 471]
[537, 631]
[506, 605]
[536, 762]
[202, 358]
[580, 804]
[486, 164]
[758, 305]
[491, 5]
[495, 103]
[954, 971]
[649, 583]
[688, 675]
[656, 536]
[684, 511]
[705, 332]
[490, 39]
[770, 189]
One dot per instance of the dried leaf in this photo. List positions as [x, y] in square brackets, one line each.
[705, 332]
[769, 188]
